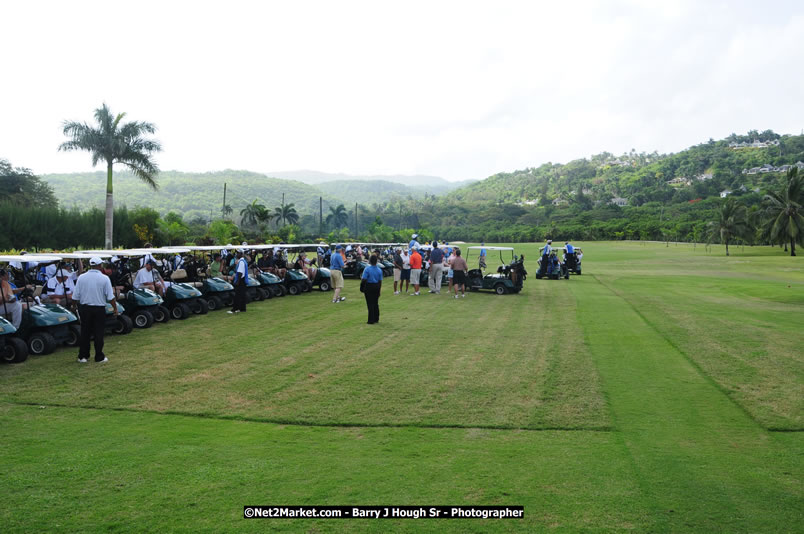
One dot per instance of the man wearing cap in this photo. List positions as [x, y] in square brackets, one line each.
[60, 287]
[92, 291]
[399, 264]
[148, 279]
[413, 245]
[336, 273]
[415, 270]
[240, 283]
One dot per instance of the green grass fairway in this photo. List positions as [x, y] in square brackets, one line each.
[661, 391]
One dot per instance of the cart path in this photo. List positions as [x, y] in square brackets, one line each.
[700, 459]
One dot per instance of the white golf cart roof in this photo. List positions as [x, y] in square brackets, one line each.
[492, 248]
[27, 258]
[73, 255]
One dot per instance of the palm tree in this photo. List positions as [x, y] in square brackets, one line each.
[784, 212]
[285, 213]
[113, 142]
[731, 223]
[338, 217]
[227, 210]
[253, 213]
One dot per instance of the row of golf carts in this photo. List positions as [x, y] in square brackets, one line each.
[189, 288]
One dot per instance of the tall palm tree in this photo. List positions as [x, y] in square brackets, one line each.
[732, 222]
[253, 213]
[227, 210]
[338, 217]
[113, 142]
[285, 213]
[783, 211]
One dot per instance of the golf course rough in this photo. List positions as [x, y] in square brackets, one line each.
[659, 392]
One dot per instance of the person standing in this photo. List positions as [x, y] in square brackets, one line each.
[405, 276]
[415, 270]
[92, 291]
[436, 268]
[398, 266]
[548, 248]
[336, 264]
[239, 282]
[450, 270]
[459, 269]
[481, 261]
[373, 277]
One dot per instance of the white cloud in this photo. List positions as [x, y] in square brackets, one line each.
[457, 89]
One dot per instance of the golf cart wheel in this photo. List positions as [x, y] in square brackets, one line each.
[323, 286]
[579, 272]
[41, 343]
[73, 335]
[283, 291]
[199, 307]
[228, 300]
[308, 286]
[500, 289]
[180, 311]
[123, 326]
[268, 293]
[214, 303]
[161, 314]
[293, 289]
[15, 351]
[143, 319]
[260, 294]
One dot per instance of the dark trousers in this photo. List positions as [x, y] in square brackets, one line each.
[543, 264]
[93, 322]
[372, 302]
[240, 296]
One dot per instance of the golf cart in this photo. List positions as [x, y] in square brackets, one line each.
[554, 270]
[43, 326]
[322, 277]
[218, 292]
[572, 262]
[352, 268]
[119, 324]
[508, 278]
[424, 277]
[181, 298]
[12, 348]
[143, 306]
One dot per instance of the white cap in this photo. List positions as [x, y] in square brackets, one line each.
[244, 243]
[95, 260]
[414, 236]
[115, 258]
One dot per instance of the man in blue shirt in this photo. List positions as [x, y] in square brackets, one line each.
[413, 243]
[240, 283]
[570, 248]
[336, 273]
[481, 262]
[372, 275]
[548, 248]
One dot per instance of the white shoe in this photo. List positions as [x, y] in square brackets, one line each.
[463, 295]
[104, 360]
[230, 312]
[416, 294]
[456, 296]
[82, 360]
[396, 292]
[342, 299]
[431, 291]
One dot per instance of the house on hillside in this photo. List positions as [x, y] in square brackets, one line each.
[560, 202]
[800, 166]
[767, 168]
[679, 181]
[725, 193]
[619, 201]
[704, 177]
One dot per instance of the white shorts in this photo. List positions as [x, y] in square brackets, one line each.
[414, 276]
[397, 274]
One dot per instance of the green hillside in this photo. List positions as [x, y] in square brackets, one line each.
[191, 194]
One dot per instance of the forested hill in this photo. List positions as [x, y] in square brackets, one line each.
[425, 184]
[698, 172]
[191, 194]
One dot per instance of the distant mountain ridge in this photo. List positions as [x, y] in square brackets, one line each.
[434, 184]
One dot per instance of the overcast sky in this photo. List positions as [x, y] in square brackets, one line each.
[454, 89]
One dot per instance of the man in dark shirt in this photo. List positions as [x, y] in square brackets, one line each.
[436, 268]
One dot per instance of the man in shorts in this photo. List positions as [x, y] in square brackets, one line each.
[336, 274]
[398, 265]
[415, 270]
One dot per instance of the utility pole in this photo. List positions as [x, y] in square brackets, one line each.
[321, 216]
[357, 233]
[223, 208]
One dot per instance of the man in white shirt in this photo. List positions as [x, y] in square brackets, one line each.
[92, 291]
[148, 279]
[60, 287]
